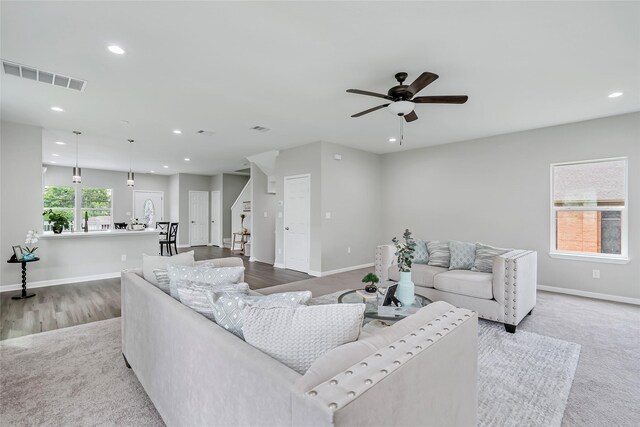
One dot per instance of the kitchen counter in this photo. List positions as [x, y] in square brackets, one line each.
[105, 233]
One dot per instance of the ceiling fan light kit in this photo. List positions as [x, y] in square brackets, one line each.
[400, 108]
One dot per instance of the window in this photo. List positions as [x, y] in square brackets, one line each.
[97, 206]
[589, 210]
[62, 200]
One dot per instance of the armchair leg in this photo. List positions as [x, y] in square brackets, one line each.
[529, 313]
[510, 328]
[126, 362]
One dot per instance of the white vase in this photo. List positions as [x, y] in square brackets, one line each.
[405, 292]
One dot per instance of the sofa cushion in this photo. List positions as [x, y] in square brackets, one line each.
[421, 254]
[227, 308]
[203, 274]
[297, 336]
[464, 282]
[421, 274]
[150, 263]
[485, 255]
[194, 294]
[438, 253]
[463, 255]
[341, 358]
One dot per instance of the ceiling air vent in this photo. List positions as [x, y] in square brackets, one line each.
[31, 73]
[260, 129]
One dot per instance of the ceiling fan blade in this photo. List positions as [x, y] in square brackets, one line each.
[421, 82]
[449, 99]
[362, 113]
[411, 116]
[364, 92]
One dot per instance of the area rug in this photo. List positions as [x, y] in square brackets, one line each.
[76, 376]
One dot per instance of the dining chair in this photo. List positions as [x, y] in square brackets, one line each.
[171, 239]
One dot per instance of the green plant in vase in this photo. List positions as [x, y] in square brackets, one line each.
[58, 221]
[370, 281]
[405, 248]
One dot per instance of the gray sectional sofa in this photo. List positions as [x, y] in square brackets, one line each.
[420, 371]
[506, 295]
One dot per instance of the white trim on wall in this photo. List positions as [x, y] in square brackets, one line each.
[339, 270]
[594, 295]
[64, 281]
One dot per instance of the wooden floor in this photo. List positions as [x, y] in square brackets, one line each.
[61, 306]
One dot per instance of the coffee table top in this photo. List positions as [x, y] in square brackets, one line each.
[371, 309]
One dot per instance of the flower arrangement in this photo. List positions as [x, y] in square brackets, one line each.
[404, 251]
[29, 242]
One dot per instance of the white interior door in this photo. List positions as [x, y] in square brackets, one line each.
[297, 222]
[198, 218]
[148, 207]
[216, 220]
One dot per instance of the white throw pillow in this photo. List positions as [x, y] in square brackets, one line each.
[194, 294]
[297, 336]
[150, 263]
[204, 274]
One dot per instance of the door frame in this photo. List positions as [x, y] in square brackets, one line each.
[219, 225]
[133, 201]
[284, 220]
[208, 216]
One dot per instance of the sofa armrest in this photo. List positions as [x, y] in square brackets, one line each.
[515, 283]
[431, 372]
[384, 259]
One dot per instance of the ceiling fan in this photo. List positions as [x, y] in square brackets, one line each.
[402, 96]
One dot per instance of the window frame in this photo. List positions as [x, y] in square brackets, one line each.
[73, 209]
[80, 208]
[621, 258]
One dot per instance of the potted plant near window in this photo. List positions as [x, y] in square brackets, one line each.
[405, 292]
[58, 221]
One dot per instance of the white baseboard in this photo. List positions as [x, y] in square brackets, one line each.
[183, 246]
[278, 265]
[252, 259]
[339, 270]
[43, 283]
[594, 295]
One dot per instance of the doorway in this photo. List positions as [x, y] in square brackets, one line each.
[297, 222]
[148, 207]
[198, 218]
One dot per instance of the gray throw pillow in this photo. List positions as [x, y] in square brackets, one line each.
[227, 308]
[297, 336]
[194, 294]
[204, 274]
[438, 253]
[421, 254]
[484, 257]
[463, 255]
[152, 262]
[162, 277]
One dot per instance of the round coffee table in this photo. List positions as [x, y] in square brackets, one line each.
[371, 309]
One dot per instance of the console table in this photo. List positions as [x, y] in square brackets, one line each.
[24, 294]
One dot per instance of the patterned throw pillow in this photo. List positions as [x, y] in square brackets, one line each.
[194, 294]
[297, 336]
[438, 253]
[204, 274]
[421, 255]
[463, 255]
[162, 277]
[484, 257]
[227, 308]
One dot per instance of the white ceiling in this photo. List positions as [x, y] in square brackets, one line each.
[228, 66]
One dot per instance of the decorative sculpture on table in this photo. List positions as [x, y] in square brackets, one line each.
[370, 281]
[404, 251]
[242, 229]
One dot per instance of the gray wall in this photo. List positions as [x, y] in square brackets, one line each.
[122, 195]
[297, 161]
[496, 190]
[20, 191]
[174, 198]
[263, 231]
[232, 186]
[351, 193]
[189, 182]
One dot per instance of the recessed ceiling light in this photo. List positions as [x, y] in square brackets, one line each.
[152, 171]
[60, 143]
[166, 166]
[186, 159]
[392, 140]
[56, 155]
[615, 94]
[58, 109]
[116, 49]
[177, 131]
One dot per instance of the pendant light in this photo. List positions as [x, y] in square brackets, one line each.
[77, 173]
[130, 175]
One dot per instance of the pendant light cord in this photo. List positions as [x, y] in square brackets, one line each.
[130, 154]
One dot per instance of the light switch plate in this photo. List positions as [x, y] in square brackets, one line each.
[265, 215]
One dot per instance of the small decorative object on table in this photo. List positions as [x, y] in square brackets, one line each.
[370, 281]
[18, 255]
[57, 220]
[242, 229]
[29, 251]
[404, 251]
[136, 225]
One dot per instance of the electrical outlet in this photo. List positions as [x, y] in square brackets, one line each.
[348, 250]
[327, 215]
[596, 274]
[123, 257]
[265, 214]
